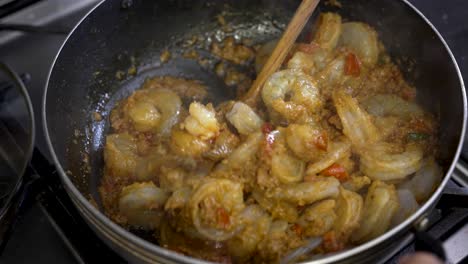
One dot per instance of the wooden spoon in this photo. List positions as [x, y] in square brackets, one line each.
[300, 18]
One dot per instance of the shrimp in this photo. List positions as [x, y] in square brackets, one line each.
[284, 166]
[214, 208]
[306, 141]
[242, 155]
[408, 206]
[329, 30]
[425, 181]
[309, 63]
[185, 144]
[332, 75]
[362, 39]
[307, 192]
[299, 87]
[380, 206]
[278, 209]
[357, 124]
[380, 162]
[171, 178]
[145, 116]
[120, 155]
[202, 121]
[142, 204]
[257, 224]
[383, 105]
[156, 110]
[225, 143]
[349, 206]
[356, 183]
[318, 218]
[244, 119]
[279, 240]
[337, 151]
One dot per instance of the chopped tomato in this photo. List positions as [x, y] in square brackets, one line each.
[297, 229]
[307, 48]
[331, 242]
[321, 142]
[223, 217]
[337, 171]
[267, 128]
[352, 66]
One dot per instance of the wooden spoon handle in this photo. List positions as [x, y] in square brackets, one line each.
[300, 18]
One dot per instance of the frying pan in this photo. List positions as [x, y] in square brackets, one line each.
[117, 35]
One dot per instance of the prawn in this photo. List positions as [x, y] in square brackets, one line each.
[308, 192]
[214, 207]
[244, 119]
[329, 30]
[379, 163]
[337, 151]
[299, 87]
[143, 204]
[349, 206]
[284, 166]
[257, 224]
[156, 110]
[318, 218]
[362, 39]
[202, 121]
[120, 155]
[380, 205]
[357, 124]
[306, 141]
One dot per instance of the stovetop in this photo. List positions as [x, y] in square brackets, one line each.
[48, 229]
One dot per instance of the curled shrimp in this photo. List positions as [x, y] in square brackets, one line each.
[383, 105]
[214, 207]
[318, 218]
[357, 124]
[299, 87]
[362, 39]
[309, 63]
[120, 155]
[284, 165]
[380, 205]
[257, 224]
[202, 121]
[425, 181]
[277, 209]
[308, 192]
[241, 156]
[306, 141]
[349, 206]
[337, 151]
[408, 205]
[156, 110]
[380, 162]
[329, 30]
[142, 204]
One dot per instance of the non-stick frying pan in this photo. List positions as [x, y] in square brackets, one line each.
[117, 35]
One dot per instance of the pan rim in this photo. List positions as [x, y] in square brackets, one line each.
[174, 256]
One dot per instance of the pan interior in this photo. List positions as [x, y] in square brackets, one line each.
[112, 39]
